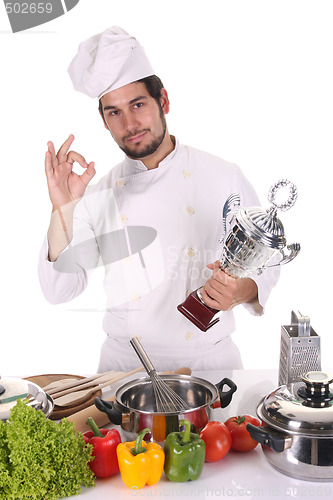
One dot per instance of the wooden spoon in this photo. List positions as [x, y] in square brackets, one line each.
[57, 384]
[70, 398]
[75, 398]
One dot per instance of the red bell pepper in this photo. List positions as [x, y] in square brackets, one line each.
[105, 442]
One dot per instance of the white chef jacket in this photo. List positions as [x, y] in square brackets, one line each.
[155, 231]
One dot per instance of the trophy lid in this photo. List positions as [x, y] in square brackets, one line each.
[264, 225]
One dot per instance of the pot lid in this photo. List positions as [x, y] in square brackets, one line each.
[301, 408]
[12, 389]
[264, 225]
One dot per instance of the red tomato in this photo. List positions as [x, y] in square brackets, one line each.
[240, 436]
[218, 441]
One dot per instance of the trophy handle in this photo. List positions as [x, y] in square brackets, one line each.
[231, 203]
[294, 249]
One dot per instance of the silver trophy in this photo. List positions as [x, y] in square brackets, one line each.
[253, 243]
[257, 235]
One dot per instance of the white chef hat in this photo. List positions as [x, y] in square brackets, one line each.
[108, 61]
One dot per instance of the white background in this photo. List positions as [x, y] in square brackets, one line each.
[250, 81]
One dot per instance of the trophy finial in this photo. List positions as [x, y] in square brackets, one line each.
[292, 194]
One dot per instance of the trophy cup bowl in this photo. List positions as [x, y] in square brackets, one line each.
[255, 237]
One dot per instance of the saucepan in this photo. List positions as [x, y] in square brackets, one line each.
[135, 409]
[297, 428]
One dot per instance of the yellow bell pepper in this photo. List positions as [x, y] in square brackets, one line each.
[140, 463]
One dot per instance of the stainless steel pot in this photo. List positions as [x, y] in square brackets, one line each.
[135, 408]
[297, 428]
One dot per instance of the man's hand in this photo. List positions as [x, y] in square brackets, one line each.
[65, 186]
[223, 292]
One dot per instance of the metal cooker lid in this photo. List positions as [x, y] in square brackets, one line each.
[12, 388]
[301, 408]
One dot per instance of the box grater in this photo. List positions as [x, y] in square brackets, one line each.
[299, 349]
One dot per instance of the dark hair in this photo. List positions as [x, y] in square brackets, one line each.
[153, 85]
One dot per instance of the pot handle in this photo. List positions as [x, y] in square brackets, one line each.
[107, 407]
[274, 440]
[225, 396]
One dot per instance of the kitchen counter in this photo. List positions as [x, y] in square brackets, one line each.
[246, 475]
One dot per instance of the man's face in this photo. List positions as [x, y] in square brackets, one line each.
[135, 120]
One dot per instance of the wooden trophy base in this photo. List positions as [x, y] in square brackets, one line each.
[201, 315]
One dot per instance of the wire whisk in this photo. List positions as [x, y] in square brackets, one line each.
[167, 400]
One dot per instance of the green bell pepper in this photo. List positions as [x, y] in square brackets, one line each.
[184, 455]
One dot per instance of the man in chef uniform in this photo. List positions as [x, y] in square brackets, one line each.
[153, 221]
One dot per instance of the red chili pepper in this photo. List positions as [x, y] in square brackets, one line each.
[105, 442]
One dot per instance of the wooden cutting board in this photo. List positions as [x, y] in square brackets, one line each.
[61, 412]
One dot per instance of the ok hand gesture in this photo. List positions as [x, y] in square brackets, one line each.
[65, 186]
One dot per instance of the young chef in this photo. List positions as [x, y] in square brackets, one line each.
[153, 221]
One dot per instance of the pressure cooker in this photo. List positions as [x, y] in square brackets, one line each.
[297, 428]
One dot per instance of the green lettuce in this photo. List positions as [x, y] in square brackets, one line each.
[41, 459]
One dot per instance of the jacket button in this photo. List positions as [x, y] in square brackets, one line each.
[120, 183]
[191, 252]
[123, 218]
[186, 174]
[190, 210]
[136, 297]
[189, 336]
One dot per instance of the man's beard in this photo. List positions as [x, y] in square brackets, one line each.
[150, 148]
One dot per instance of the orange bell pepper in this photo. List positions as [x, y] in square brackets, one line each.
[159, 427]
[140, 463]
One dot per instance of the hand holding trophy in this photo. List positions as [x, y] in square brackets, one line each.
[255, 236]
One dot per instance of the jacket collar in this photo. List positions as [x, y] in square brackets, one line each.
[133, 167]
